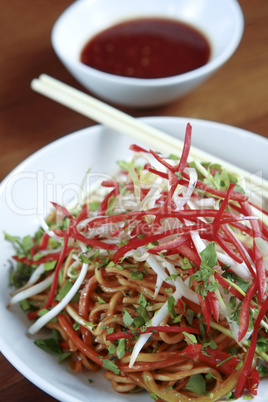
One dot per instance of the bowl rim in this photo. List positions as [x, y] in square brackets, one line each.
[208, 68]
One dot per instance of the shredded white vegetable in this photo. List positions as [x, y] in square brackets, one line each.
[63, 303]
[32, 291]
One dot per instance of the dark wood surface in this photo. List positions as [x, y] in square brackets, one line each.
[237, 94]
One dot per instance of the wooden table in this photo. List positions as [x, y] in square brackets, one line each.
[237, 95]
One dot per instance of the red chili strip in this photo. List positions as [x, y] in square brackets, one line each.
[251, 351]
[258, 207]
[47, 258]
[224, 203]
[61, 209]
[166, 329]
[226, 285]
[53, 287]
[214, 303]
[170, 245]
[135, 242]
[186, 149]
[104, 205]
[92, 242]
[237, 244]
[219, 193]
[43, 242]
[227, 248]
[162, 161]
[78, 342]
[217, 359]
[245, 309]
[258, 259]
[189, 253]
[137, 148]
[260, 269]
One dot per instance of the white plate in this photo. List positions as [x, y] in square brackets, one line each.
[55, 173]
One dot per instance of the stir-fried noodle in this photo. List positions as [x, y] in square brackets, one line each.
[160, 280]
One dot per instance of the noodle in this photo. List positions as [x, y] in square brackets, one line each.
[162, 293]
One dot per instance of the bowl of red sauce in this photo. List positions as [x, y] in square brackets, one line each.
[146, 53]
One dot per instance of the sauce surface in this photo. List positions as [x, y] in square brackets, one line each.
[147, 48]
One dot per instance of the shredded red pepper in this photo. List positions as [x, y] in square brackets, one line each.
[166, 329]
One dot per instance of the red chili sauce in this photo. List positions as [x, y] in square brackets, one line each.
[147, 48]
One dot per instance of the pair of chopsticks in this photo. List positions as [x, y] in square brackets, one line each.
[127, 125]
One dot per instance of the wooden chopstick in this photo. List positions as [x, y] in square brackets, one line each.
[127, 125]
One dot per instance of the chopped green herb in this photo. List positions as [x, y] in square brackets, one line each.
[172, 277]
[50, 265]
[94, 206]
[64, 290]
[179, 175]
[84, 259]
[63, 356]
[120, 350]
[48, 345]
[100, 300]
[25, 305]
[111, 349]
[190, 338]
[196, 384]
[189, 316]
[142, 300]
[76, 326]
[173, 157]
[128, 320]
[171, 306]
[109, 365]
[136, 275]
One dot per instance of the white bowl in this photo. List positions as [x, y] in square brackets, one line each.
[221, 21]
[48, 176]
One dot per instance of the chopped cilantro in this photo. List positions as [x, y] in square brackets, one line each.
[50, 265]
[136, 275]
[48, 345]
[263, 370]
[109, 365]
[171, 306]
[100, 300]
[190, 338]
[179, 175]
[63, 356]
[76, 326]
[111, 349]
[141, 235]
[174, 157]
[94, 206]
[172, 277]
[64, 290]
[128, 320]
[142, 300]
[25, 305]
[196, 384]
[189, 316]
[144, 313]
[84, 259]
[120, 350]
